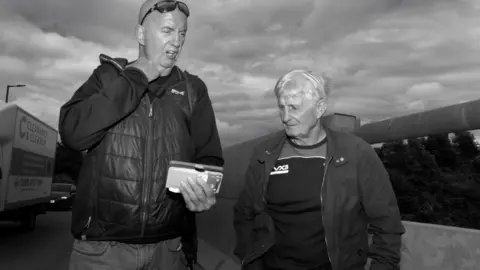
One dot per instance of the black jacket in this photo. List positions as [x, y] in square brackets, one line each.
[130, 139]
[357, 200]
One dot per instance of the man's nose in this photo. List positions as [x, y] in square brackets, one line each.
[285, 116]
[177, 40]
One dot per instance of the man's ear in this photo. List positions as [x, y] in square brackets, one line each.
[140, 34]
[321, 108]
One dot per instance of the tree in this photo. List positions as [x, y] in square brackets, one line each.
[394, 155]
[419, 161]
[430, 193]
[442, 149]
[410, 159]
[464, 143]
[476, 164]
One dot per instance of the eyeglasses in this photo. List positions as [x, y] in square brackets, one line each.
[167, 6]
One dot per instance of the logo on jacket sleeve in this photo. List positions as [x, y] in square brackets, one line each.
[281, 169]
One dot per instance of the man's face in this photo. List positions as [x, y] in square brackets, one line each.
[164, 37]
[298, 111]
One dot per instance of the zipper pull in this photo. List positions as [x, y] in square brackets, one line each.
[88, 223]
[150, 113]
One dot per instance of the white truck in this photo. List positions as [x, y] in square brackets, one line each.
[27, 158]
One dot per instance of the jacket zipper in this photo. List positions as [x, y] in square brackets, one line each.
[147, 167]
[148, 162]
[83, 236]
[249, 257]
[87, 225]
[265, 185]
[321, 201]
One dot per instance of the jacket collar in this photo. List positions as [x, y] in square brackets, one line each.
[336, 147]
[273, 147]
[121, 63]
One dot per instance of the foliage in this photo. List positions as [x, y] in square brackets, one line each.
[442, 149]
[436, 180]
[466, 147]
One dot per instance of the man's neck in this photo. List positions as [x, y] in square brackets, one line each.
[163, 73]
[315, 136]
[166, 72]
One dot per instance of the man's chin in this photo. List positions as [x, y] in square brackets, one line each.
[168, 64]
[290, 132]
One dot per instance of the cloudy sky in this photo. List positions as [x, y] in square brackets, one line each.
[386, 57]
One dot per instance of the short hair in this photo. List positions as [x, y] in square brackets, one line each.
[320, 84]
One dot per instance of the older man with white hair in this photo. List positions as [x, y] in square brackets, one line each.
[312, 195]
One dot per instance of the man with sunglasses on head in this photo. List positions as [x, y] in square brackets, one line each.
[133, 119]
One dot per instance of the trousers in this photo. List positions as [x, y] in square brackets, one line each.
[111, 255]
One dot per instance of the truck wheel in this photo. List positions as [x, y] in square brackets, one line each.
[29, 220]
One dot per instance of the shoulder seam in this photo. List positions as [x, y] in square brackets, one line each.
[104, 58]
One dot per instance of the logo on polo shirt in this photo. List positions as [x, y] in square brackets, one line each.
[176, 92]
[281, 169]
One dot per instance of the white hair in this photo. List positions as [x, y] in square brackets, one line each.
[320, 84]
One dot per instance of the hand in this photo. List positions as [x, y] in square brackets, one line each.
[147, 67]
[197, 194]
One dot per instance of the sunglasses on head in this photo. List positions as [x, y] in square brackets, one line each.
[167, 6]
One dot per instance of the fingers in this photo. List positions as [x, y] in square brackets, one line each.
[202, 183]
[193, 191]
[197, 194]
[188, 202]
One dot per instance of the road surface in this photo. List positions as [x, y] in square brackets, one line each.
[46, 248]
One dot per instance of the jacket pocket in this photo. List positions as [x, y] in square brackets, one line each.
[174, 247]
[264, 230]
[91, 248]
[354, 248]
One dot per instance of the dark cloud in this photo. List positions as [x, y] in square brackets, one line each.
[105, 22]
[376, 52]
[244, 36]
[331, 20]
[240, 32]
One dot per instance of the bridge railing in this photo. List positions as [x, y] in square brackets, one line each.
[425, 246]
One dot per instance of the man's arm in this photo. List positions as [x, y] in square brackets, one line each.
[208, 151]
[244, 213]
[381, 209]
[94, 107]
[203, 129]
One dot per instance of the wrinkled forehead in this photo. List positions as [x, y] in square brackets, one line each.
[296, 86]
